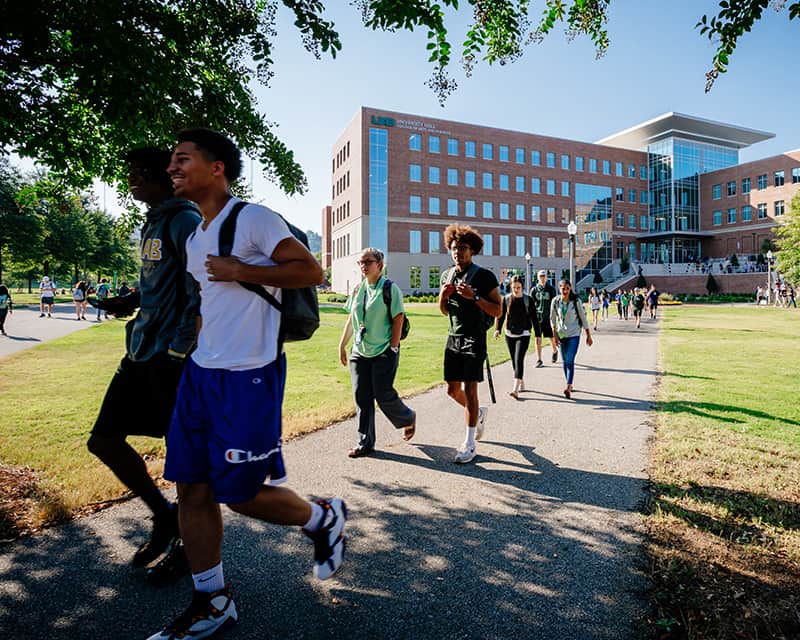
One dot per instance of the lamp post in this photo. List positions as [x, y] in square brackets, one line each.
[572, 229]
[528, 270]
[769, 277]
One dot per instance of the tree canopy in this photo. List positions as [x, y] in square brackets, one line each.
[789, 243]
[82, 81]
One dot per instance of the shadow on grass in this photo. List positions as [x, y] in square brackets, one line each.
[718, 412]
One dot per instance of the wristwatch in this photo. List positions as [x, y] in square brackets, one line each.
[476, 298]
[395, 349]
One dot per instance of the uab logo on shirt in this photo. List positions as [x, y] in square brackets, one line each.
[151, 250]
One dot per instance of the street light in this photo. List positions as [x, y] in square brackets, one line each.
[528, 270]
[769, 277]
[572, 229]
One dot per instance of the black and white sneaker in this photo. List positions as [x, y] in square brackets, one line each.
[172, 566]
[555, 357]
[539, 364]
[165, 532]
[329, 541]
[208, 613]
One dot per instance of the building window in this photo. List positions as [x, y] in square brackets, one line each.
[488, 210]
[415, 274]
[519, 155]
[452, 207]
[536, 213]
[578, 163]
[433, 241]
[717, 218]
[378, 188]
[415, 173]
[551, 214]
[487, 180]
[632, 220]
[620, 219]
[732, 215]
[503, 245]
[779, 178]
[519, 212]
[565, 161]
[643, 197]
[415, 142]
[433, 144]
[433, 175]
[747, 213]
[414, 204]
[762, 210]
[487, 151]
[631, 170]
[551, 160]
[716, 191]
[643, 222]
[504, 211]
[762, 181]
[536, 247]
[469, 208]
[607, 167]
[469, 178]
[745, 185]
[415, 241]
[632, 250]
[592, 165]
[779, 208]
[551, 187]
[731, 188]
[632, 196]
[536, 185]
[565, 189]
[551, 247]
[519, 248]
[619, 194]
[469, 149]
[619, 169]
[519, 184]
[795, 175]
[488, 241]
[433, 206]
[503, 153]
[536, 158]
[452, 177]
[434, 277]
[642, 172]
[503, 182]
[452, 147]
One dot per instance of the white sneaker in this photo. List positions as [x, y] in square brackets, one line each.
[465, 454]
[208, 614]
[329, 540]
[481, 426]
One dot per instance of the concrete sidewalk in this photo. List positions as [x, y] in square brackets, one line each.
[26, 329]
[538, 538]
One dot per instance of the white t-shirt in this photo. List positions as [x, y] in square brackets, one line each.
[240, 329]
[48, 289]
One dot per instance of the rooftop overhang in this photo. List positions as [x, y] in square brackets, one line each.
[688, 127]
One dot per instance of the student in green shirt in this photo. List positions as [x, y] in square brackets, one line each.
[376, 328]
[6, 306]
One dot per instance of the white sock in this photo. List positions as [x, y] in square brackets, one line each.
[470, 441]
[210, 580]
[315, 521]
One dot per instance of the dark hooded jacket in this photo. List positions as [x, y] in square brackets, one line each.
[169, 296]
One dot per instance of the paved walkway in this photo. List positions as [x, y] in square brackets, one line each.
[26, 329]
[538, 538]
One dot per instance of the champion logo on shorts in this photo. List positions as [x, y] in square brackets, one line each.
[256, 380]
[239, 456]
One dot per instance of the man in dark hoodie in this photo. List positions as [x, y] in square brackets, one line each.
[157, 341]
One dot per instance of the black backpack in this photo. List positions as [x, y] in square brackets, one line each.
[387, 299]
[299, 308]
[487, 320]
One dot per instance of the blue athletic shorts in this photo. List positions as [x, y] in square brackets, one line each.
[226, 430]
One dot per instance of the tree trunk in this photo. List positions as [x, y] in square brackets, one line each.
[1, 264]
[75, 280]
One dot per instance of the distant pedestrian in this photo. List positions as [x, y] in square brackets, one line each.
[6, 307]
[376, 352]
[469, 296]
[567, 318]
[103, 292]
[604, 301]
[637, 302]
[47, 289]
[124, 289]
[542, 295]
[792, 302]
[517, 313]
[625, 301]
[618, 302]
[79, 298]
[652, 301]
[594, 305]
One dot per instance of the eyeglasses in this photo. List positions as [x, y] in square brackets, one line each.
[365, 263]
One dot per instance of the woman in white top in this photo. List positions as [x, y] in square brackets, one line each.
[568, 318]
[594, 305]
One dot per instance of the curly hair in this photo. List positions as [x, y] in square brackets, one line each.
[215, 146]
[463, 234]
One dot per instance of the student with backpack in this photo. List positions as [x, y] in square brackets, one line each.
[469, 296]
[224, 441]
[79, 297]
[517, 313]
[6, 307]
[375, 321]
[568, 317]
[103, 293]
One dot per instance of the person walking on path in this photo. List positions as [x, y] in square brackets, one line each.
[517, 313]
[637, 302]
[604, 299]
[47, 289]
[618, 301]
[141, 396]
[594, 305]
[6, 307]
[543, 294]
[652, 301]
[224, 441]
[625, 301]
[469, 296]
[79, 298]
[568, 317]
[102, 293]
[376, 352]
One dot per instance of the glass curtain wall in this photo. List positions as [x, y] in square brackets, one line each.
[378, 188]
[594, 219]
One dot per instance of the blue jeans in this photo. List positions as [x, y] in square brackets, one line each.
[569, 349]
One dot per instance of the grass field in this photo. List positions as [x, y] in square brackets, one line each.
[51, 395]
[725, 522]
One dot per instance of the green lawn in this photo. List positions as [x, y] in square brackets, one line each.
[725, 527]
[51, 395]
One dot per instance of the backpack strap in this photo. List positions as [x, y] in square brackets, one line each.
[226, 235]
[387, 297]
[577, 313]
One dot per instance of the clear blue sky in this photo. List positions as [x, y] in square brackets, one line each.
[656, 63]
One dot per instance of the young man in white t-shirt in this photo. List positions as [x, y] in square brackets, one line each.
[223, 445]
[47, 288]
